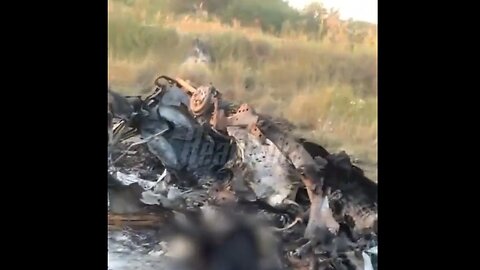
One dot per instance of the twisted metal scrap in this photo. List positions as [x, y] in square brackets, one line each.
[261, 131]
[264, 130]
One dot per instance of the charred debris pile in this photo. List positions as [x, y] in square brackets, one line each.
[244, 191]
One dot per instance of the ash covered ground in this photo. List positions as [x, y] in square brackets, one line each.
[159, 246]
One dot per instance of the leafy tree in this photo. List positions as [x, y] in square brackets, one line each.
[270, 13]
[314, 15]
[274, 16]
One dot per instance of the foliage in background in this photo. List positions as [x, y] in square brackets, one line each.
[308, 66]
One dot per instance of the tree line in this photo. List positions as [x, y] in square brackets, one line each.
[275, 17]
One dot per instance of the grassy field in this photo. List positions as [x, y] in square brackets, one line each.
[328, 89]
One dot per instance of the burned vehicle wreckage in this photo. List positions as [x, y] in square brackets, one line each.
[185, 151]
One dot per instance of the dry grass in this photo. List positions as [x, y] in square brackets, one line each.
[328, 89]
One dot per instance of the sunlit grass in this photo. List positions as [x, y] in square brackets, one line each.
[328, 89]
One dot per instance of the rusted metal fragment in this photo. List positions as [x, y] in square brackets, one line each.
[287, 144]
[244, 117]
[321, 218]
[303, 162]
[310, 187]
[310, 169]
[218, 120]
[255, 131]
[120, 221]
[186, 86]
[201, 100]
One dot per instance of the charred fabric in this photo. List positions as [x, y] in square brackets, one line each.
[183, 150]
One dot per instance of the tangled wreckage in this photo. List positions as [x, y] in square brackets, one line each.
[237, 184]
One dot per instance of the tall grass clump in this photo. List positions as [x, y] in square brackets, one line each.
[327, 88]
